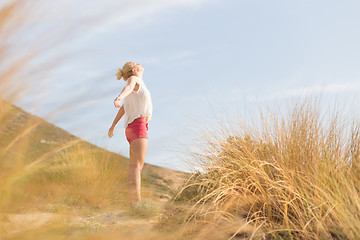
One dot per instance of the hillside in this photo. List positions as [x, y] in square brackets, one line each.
[26, 138]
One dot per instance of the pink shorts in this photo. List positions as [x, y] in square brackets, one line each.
[137, 129]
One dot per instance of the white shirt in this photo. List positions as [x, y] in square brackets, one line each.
[138, 104]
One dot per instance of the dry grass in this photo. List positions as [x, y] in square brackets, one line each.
[294, 177]
[54, 185]
[297, 177]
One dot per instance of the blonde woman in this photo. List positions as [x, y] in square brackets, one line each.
[137, 109]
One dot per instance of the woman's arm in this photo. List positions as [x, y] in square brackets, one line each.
[119, 115]
[131, 82]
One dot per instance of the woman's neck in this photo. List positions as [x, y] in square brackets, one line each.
[140, 75]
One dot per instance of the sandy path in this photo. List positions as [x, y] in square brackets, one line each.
[15, 224]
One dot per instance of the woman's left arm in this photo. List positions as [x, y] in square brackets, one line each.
[119, 115]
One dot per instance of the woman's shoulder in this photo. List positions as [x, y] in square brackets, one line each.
[136, 81]
[133, 80]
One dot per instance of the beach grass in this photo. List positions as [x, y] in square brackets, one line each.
[294, 177]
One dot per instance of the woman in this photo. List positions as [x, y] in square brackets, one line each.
[137, 109]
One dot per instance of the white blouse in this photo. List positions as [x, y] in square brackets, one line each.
[138, 104]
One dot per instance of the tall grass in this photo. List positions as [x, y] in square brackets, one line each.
[42, 168]
[297, 177]
[38, 159]
[56, 186]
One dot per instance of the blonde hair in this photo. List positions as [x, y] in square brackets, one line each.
[126, 71]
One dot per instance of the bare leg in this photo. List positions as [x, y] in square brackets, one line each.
[138, 149]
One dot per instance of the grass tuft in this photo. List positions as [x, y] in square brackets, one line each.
[296, 177]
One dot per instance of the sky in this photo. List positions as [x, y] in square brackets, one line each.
[204, 61]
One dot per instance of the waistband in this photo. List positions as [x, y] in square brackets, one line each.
[140, 119]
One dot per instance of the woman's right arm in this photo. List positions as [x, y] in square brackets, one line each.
[119, 115]
[131, 82]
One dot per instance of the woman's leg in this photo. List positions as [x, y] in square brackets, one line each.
[138, 149]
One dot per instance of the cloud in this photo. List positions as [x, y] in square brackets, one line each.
[316, 89]
[165, 59]
[82, 22]
[183, 54]
[111, 15]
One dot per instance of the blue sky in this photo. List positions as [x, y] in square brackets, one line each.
[200, 58]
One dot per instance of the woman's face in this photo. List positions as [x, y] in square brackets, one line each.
[138, 67]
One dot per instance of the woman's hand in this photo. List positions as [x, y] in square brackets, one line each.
[117, 102]
[111, 132]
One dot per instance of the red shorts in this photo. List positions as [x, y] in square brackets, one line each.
[137, 129]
